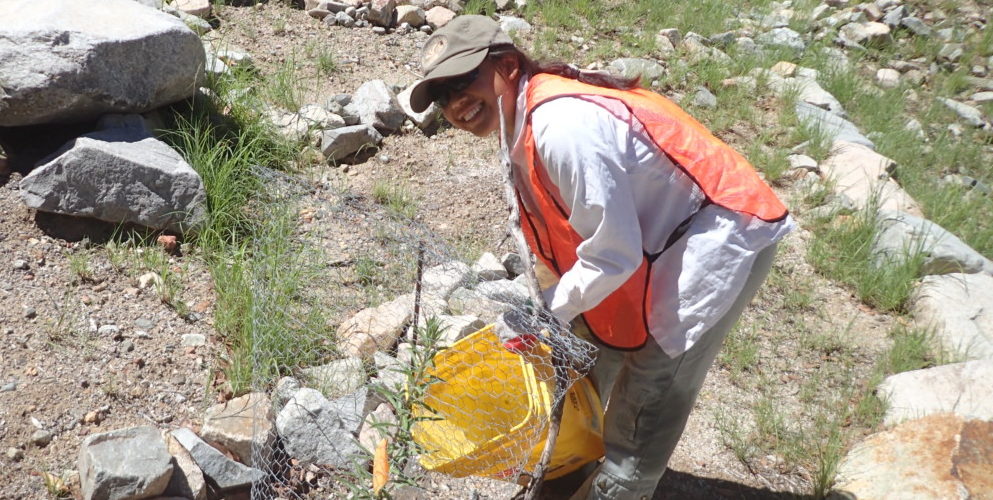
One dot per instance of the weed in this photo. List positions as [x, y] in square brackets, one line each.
[740, 352]
[326, 65]
[80, 266]
[396, 198]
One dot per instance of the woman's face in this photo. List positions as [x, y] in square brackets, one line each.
[474, 109]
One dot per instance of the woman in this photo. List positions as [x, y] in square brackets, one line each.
[660, 233]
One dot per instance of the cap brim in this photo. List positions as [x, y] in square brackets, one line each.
[420, 95]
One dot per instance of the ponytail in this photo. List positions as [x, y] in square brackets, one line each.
[532, 67]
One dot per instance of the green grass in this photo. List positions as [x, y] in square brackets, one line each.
[396, 198]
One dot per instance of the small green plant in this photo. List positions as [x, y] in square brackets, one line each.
[81, 267]
[326, 65]
[740, 352]
[396, 198]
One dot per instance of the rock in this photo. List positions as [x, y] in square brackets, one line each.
[834, 127]
[632, 67]
[861, 174]
[375, 328]
[778, 18]
[390, 372]
[704, 98]
[227, 474]
[513, 263]
[488, 268]
[802, 162]
[962, 389]
[950, 52]
[784, 69]
[350, 408]
[241, 425]
[982, 97]
[809, 91]
[375, 104]
[313, 433]
[424, 119]
[782, 37]
[968, 114]
[981, 83]
[968, 183]
[916, 26]
[439, 16]
[378, 425]
[510, 292]
[119, 175]
[894, 17]
[340, 143]
[113, 56]
[888, 78]
[865, 33]
[21, 265]
[940, 456]
[336, 378]
[664, 46]
[124, 464]
[960, 309]
[150, 280]
[193, 340]
[381, 12]
[187, 479]
[412, 15]
[673, 35]
[443, 279]
[199, 8]
[199, 25]
[455, 328]
[342, 19]
[944, 253]
[286, 387]
[41, 438]
[510, 24]
[465, 302]
[14, 454]
[871, 11]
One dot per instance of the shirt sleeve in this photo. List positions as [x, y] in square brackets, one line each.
[585, 150]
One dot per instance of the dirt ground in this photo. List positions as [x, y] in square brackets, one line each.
[51, 347]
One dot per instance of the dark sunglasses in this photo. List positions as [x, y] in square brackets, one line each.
[442, 91]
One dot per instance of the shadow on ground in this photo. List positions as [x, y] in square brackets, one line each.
[677, 485]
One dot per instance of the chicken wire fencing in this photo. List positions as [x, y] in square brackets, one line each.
[371, 335]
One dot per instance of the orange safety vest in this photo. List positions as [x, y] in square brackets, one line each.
[725, 177]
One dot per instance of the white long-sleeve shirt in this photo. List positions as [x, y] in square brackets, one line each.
[625, 198]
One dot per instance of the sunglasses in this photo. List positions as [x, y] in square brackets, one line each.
[442, 91]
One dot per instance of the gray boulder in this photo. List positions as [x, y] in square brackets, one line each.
[124, 464]
[916, 26]
[227, 474]
[901, 235]
[961, 388]
[242, 425]
[968, 114]
[376, 104]
[960, 309]
[314, 433]
[119, 175]
[63, 61]
[834, 127]
[336, 378]
[381, 12]
[340, 143]
[425, 118]
[632, 67]
[782, 37]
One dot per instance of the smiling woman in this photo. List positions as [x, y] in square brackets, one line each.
[660, 234]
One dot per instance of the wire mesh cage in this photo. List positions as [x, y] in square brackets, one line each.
[381, 336]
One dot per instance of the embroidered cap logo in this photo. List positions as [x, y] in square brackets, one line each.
[433, 51]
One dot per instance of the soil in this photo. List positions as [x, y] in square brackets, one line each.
[142, 375]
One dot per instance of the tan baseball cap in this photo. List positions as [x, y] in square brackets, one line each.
[455, 49]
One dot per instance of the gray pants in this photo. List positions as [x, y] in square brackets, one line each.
[651, 396]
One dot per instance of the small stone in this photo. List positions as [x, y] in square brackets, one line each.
[15, 454]
[41, 438]
[30, 313]
[968, 114]
[782, 37]
[379, 30]
[951, 52]
[439, 16]
[803, 162]
[93, 417]
[9, 387]
[21, 265]
[168, 243]
[149, 279]
[784, 69]
[510, 24]
[888, 78]
[193, 340]
[144, 323]
[127, 346]
[673, 34]
[981, 97]
[704, 98]
[916, 26]
[109, 330]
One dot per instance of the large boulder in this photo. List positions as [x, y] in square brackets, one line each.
[119, 174]
[124, 464]
[961, 388]
[940, 456]
[960, 309]
[862, 175]
[831, 125]
[902, 235]
[73, 61]
[314, 432]
[241, 425]
[226, 474]
[375, 104]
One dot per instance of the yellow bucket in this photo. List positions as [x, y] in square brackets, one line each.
[490, 411]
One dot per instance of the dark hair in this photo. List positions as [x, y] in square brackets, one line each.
[532, 67]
